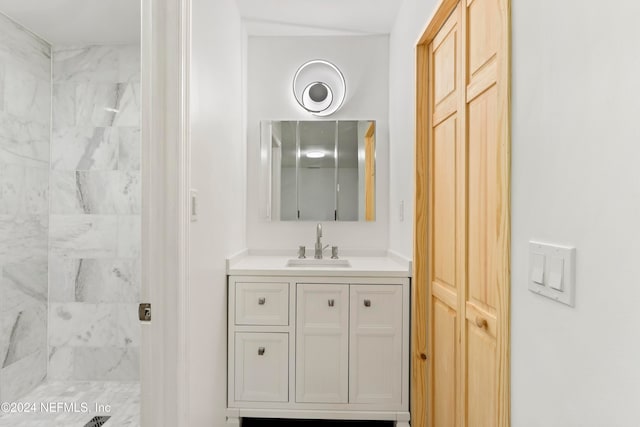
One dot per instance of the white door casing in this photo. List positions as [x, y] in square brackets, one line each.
[165, 61]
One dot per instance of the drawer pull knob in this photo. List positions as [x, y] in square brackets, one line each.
[481, 323]
[331, 303]
[262, 301]
[260, 351]
[367, 303]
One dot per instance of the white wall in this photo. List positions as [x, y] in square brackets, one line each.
[218, 161]
[576, 180]
[410, 23]
[272, 62]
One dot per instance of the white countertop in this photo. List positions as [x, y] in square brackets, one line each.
[377, 265]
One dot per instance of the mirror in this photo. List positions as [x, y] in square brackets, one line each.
[318, 170]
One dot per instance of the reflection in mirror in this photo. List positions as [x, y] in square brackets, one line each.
[318, 170]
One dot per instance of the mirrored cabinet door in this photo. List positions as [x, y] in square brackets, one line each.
[318, 170]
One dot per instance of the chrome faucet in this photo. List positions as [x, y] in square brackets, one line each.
[319, 248]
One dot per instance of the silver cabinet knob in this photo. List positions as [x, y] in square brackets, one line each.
[367, 303]
[331, 303]
[262, 301]
[260, 351]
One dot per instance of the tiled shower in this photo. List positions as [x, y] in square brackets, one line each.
[69, 212]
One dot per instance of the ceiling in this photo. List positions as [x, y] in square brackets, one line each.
[78, 21]
[118, 21]
[314, 17]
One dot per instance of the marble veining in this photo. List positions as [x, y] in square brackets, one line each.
[93, 325]
[95, 280]
[82, 192]
[25, 115]
[84, 148]
[84, 236]
[24, 190]
[94, 277]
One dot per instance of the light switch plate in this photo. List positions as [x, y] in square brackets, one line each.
[558, 276]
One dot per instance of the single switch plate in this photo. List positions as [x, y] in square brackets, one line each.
[557, 264]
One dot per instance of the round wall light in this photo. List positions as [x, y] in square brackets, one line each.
[319, 87]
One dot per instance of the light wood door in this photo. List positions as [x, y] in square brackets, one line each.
[375, 344]
[322, 343]
[370, 172]
[462, 218]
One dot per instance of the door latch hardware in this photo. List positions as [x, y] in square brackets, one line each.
[144, 312]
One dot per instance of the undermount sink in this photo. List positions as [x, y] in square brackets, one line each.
[324, 262]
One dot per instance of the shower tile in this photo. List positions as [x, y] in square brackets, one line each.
[27, 96]
[28, 331]
[23, 142]
[129, 236]
[97, 104]
[27, 278]
[2, 85]
[128, 106]
[84, 148]
[23, 376]
[23, 49]
[93, 325]
[106, 363]
[129, 64]
[95, 192]
[130, 148]
[64, 105]
[62, 278]
[93, 63]
[23, 189]
[23, 239]
[100, 281]
[60, 363]
[84, 236]
[95, 280]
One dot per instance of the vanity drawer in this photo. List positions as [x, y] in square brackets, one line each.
[262, 304]
[262, 367]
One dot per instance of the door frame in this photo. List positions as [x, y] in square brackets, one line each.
[165, 62]
[420, 380]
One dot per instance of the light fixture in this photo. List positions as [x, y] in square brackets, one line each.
[315, 154]
[319, 87]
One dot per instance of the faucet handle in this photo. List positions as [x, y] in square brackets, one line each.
[302, 252]
[334, 252]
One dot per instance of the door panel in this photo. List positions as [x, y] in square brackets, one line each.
[481, 374]
[322, 343]
[444, 365]
[444, 207]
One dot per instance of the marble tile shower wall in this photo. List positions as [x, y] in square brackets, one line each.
[25, 110]
[94, 237]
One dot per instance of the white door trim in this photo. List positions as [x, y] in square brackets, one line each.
[165, 210]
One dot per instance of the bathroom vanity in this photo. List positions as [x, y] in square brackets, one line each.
[318, 339]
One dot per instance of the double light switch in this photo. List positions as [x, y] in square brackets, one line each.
[552, 271]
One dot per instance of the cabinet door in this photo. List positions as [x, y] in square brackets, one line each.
[375, 361]
[322, 343]
[262, 367]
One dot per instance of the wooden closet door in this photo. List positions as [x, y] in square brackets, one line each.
[446, 223]
[488, 223]
[462, 225]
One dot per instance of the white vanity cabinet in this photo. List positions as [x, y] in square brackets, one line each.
[315, 347]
